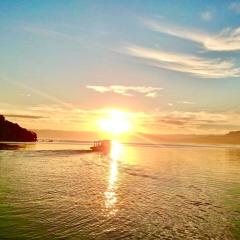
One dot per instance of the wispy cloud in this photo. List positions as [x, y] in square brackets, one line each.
[201, 67]
[51, 33]
[58, 117]
[195, 122]
[45, 32]
[206, 16]
[23, 116]
[126, 90]
[186, 102]
[235, 7]
[226, 40]
[52, 116]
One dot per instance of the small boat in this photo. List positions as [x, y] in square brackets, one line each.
[101, 146]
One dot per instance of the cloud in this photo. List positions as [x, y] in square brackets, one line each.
[201, 67]
[164, 121]
[45, 32]
[226, 40]
[126, 90]
[55, 117]
[51, 33]
[194, 119]
[151, 94]
[187, 102]
[186, 122]
[206, 16]
[235, 7]
[23, 116]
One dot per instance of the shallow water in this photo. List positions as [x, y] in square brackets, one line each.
[51, 191]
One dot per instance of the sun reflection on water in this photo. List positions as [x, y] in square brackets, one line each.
[110, 194]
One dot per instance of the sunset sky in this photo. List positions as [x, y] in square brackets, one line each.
[171, 66]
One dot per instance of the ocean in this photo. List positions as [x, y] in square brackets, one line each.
[50, 190]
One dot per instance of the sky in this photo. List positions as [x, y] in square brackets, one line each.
[172, 66]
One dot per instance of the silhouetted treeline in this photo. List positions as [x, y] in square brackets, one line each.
[13, 132]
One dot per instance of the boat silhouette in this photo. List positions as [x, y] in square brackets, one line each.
[103, 146]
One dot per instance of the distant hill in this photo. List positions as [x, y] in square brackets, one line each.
[233, 134]
[229, 138]
[13, 132]
[66, 135]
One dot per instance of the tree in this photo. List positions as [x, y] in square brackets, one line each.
[13, 132]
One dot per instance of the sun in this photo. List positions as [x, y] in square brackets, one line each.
[116, 123]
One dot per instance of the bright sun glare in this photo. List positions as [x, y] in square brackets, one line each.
[116, 123]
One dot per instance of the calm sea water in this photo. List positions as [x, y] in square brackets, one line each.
[51, 191]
